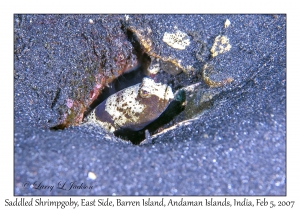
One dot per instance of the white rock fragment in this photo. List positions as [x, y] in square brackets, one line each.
[178, 40]
[227, 23]
[221, 45]
[92, 176]
[126, 17]
[91, 21]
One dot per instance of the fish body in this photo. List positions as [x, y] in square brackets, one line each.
[133, 108]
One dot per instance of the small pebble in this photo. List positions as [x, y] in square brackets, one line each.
[92, 176]
[227, 23]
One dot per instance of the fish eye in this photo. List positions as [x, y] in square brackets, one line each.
[144, 93]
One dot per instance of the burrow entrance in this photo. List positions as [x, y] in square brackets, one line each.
[171, 115]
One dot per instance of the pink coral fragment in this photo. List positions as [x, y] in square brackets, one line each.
[69, 103]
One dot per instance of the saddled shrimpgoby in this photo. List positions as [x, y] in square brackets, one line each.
[133, 108]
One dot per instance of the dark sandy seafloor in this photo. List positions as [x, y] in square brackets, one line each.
[236, 147]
